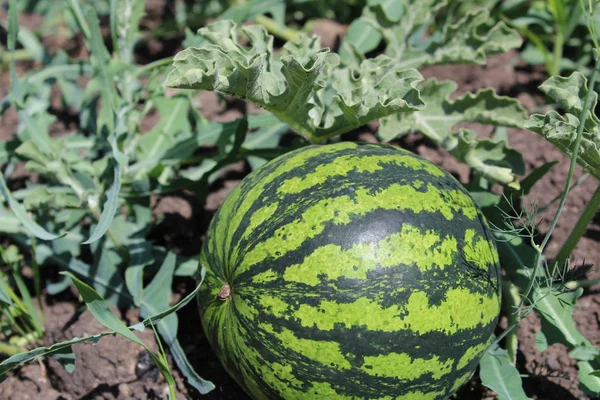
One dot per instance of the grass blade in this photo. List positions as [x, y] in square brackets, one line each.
[21, 214]
[156, 296]
[66, 358]
[102, 312]
[110, 208]
[62, 348]
[13, 30]
[28, 302]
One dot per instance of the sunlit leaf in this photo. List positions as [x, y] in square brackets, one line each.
[561, 130]
[304, 85]
[403, 26]
[109, 209]
[125, 16]
[495, 160]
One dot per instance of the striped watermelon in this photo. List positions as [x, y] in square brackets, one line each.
[349, 271]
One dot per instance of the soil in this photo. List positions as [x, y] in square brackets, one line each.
[115, 368]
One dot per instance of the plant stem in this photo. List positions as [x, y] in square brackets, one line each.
[9, 349]
[557, 53]
[80, 18]
[37, 280]
[275, 29]
[19, 55]
[153, 65]
[579, 229]
[512, 300]
[575, 152]
[572, 285]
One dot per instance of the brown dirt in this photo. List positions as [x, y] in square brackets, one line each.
[114, 368]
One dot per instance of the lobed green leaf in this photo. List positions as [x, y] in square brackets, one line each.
[305, 86]
[494, 160]
[561, 130]
[406, 25]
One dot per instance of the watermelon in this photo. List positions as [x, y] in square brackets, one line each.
[349, 271]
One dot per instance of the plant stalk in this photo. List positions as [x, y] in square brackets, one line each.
[37, 280]
[163, 62]
[9, 349]
[557, 53]
[579, 229]
[572, 285]
[19, 55]
[512, 301]
[275, 29]
[563, 200]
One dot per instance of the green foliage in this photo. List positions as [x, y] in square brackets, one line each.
[561, 130]
[556, 32]
[493, 160]
[556, 308]
[403, 24]
[21, 319]
[305, 86]
[156, 297]
[95, 184]
[89, 212]
[102, 311]
[500, 375]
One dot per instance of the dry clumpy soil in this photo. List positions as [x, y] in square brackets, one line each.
[115, 368]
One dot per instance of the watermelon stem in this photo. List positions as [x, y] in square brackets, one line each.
[225, 292]
[583, 117]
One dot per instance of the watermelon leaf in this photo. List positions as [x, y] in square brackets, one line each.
[561, 131]
[497, 373]
[494, 160]
[405, 25]
[304, 86]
